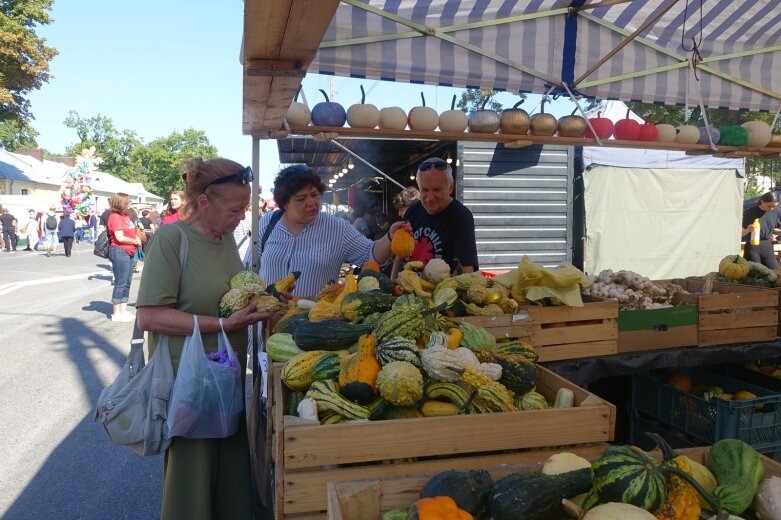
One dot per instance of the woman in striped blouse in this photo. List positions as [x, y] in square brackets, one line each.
[305, 239]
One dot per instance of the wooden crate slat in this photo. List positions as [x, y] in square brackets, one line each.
[728, 336]
[606, 330]
[589, 311]
[576, 350]
[738, 320]
[743, 300]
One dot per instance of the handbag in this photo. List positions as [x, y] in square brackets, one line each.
[102, 245]
[134, 409]
[208, 398]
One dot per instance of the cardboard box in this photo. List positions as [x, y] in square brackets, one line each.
[654, 329]
[308, 455]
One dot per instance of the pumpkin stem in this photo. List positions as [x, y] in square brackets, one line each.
[433, 310]
[363, 95]
[542, 105]
[453, 103]
[325, 96]
[519, 103]
[298, 92]
[627, 112]
[574, 111]
[485, 102]
[423, 99]
[667, 452]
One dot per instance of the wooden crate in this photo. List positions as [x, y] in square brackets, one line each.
[559, 332]
[369, 499]
[736, 314]
[307, 456]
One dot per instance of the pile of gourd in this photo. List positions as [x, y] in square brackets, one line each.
[516, 121]
[736, 269]
[624, 483]
[359, 351]
[633, 291]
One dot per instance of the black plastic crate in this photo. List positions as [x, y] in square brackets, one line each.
[639, 424]
[711, 420]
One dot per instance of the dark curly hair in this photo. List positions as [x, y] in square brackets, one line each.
[293, 179]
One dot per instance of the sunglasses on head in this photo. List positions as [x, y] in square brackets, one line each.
[292, 170]
[244, 176]
[439, 164]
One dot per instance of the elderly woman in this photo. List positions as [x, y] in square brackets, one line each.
[299, 237]
[203, 478]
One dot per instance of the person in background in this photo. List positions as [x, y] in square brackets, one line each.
[92, 224]
[442, 226]
[31, 229]
[383, 225]
[242, 235]
[66, 230]
[147, 226]
[10, 227]
[305, 239]
[175, 208]
[50, 224]
[404, 199]
[359, 222]
[79, 222]
[123, 247]
[767, 212]
[202, 478]
[139, 255]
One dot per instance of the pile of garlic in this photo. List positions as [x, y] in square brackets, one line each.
[633, 291]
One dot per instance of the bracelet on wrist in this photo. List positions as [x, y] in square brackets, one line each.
[389, 235]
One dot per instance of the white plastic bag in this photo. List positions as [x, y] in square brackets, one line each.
[207, 400]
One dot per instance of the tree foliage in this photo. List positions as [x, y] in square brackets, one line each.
[473, 99]
[15, 135]
[113, 146]
[24, 57]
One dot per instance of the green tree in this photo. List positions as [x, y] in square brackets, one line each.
[113, 146]
[24, 57]
[159, 164]
[15, 135]
[473, 99]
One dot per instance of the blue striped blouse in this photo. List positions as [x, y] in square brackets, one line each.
[318, 251]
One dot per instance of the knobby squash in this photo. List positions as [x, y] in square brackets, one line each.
[402, 243]
[400, 383]
[358, 374]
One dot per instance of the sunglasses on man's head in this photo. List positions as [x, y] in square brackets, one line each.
[244, 176]
[439, 164]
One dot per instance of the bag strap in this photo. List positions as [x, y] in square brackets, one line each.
[271, 224]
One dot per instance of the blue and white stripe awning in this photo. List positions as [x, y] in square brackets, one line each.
[533, 45]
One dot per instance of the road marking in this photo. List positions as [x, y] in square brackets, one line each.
[10, 287]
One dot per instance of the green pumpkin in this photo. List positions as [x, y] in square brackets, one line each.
[531, 400]
[518, 374]
[398, 349]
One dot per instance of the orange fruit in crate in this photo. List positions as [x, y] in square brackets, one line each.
[679, 381]
[744, 395]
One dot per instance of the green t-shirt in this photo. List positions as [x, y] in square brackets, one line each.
[196, 289]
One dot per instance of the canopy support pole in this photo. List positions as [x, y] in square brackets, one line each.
[364, 161]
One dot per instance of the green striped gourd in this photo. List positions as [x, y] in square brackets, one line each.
[327, 367]
[407, 322]
[398, 349]
[531, 400]
[362, 303]
[327, 335]
[519, 376]
[297, 372]
[516, 347]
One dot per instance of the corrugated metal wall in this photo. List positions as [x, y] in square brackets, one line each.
[521, 200]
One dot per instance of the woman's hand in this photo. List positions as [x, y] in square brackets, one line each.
[398, 225]
[245, 317]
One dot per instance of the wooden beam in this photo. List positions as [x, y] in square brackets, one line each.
[292, 68]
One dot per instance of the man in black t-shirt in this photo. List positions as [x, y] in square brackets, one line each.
[442, 226]
[9, 230]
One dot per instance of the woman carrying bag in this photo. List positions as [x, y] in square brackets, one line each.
[203, 478]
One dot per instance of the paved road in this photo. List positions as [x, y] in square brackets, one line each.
[59, 349]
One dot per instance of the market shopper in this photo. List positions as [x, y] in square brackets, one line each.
[175, 208]
[31, 230]
[404, 199]
[442, 226]
[767, 212]
[203, 478]
[123, 247]
[302, 238]
[66, 230]
[10, 227]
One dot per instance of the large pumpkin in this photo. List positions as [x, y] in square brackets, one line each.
[734, 267]
[363, 115]
[453, 120]
[328, 113]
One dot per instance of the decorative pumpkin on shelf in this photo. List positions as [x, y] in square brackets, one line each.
[328, 113]
[514, 120]
[423, 117]
[665, 133]
[715, 135]
[734, 136]
[603, 127]
[759, 133]
[543, 124]
[687, 134]
[648, 132]
[483, 121]
[453, 120]
[298, 114]
[626, 129]
[572, 125]
[363, 115]
[393, 118]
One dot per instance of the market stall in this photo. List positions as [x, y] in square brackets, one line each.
[614, 49]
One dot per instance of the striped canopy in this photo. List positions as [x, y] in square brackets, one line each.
[637, 50]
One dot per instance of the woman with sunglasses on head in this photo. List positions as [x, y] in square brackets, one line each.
[767, 212]
[442, 226]
[202, 478]
[299, 237]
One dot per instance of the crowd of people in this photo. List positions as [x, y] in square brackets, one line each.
[41, 230]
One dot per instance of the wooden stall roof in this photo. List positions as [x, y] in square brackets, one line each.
[281, 38]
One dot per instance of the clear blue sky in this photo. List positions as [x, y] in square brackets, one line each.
[155, 67]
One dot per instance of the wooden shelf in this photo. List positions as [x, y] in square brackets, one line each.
[327, 132]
